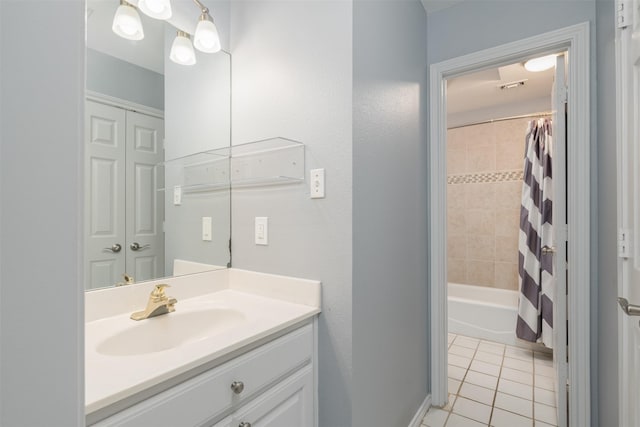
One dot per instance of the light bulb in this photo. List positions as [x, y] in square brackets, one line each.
[158, 9]
[540, 64]
[206, 37]
[182, 50]
[126, 22]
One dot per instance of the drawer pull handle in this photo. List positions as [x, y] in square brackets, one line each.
[244, 424]
[238, 387]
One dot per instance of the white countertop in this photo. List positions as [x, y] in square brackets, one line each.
[263, 300]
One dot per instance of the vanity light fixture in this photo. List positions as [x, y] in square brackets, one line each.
[540, 64]
[158, 9]
[206, 37]
[126, 22]
[182, 50]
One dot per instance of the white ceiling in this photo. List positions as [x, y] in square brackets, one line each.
[477, 97]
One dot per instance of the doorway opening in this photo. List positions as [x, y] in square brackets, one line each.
[494, 375]
[483, 245]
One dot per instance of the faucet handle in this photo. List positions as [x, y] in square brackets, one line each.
[158, 292]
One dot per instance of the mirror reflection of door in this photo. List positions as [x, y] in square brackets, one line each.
[124, 211]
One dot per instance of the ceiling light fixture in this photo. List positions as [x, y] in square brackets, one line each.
[182, 50]
[158, 9]
[126, 22]
[206, 37]
[540, 64]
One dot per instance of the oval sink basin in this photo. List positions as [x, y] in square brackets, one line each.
[169, 331]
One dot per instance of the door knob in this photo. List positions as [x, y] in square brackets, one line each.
[629, 309]
[548, 250]
[115, 248]
[135, 246]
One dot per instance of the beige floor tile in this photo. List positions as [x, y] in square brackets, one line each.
[472, 409]
[453, 385]
[490, 347]
[477, 393]
[544, 382]
[461, 351]
[546, 371]
[515, 389]
[485, 368]
[501, 418]
[483, 380]
[456, 420]
[466, 342]
[546, 397]
[456, 372]
[519, 364]
[494, 359]
[517, 376]
[545, 413]
[514, 404]
[518, 353]
[460, 361]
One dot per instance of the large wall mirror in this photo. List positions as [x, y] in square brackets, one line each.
[143, 111]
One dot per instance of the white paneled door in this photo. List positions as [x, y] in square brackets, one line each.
[144, 204]
[628, 139]
[123, 210]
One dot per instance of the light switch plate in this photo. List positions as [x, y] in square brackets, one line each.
[206, 228]
[316, 183]
[262, 230]
[177, 195]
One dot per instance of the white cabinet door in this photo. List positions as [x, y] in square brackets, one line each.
[628, 138]
[104, 195]
[288, 404]
[145, 205]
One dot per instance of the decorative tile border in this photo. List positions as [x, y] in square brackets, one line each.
[477, 178]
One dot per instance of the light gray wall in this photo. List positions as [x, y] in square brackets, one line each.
[292, 77]
[41, 291]
[605, 298]
[197, 118]
[114, 77]
[390, 215]
[473, 26]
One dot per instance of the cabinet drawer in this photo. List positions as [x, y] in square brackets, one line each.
[208, 395]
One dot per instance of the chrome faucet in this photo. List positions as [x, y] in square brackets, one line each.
[158, 304]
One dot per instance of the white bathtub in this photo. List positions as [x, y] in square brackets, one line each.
[481, 312]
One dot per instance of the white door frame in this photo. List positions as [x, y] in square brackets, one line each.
[575, 41]
[627, 105]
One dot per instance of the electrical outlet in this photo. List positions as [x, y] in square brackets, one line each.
[317, 183]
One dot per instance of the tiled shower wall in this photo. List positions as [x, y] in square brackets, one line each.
[484, 175]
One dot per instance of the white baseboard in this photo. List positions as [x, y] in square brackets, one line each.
[422, 411]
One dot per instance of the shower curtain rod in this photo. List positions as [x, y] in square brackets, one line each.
[524, 116]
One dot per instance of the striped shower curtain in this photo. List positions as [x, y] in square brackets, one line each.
[536, 282]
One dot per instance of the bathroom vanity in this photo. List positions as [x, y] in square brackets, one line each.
[239, 350]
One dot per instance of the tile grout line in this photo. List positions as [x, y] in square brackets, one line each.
[495, 392]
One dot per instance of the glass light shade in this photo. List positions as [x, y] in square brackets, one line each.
[126, 22]
[158, 9]
[206, 38]
[540, 64]
[182, 50]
